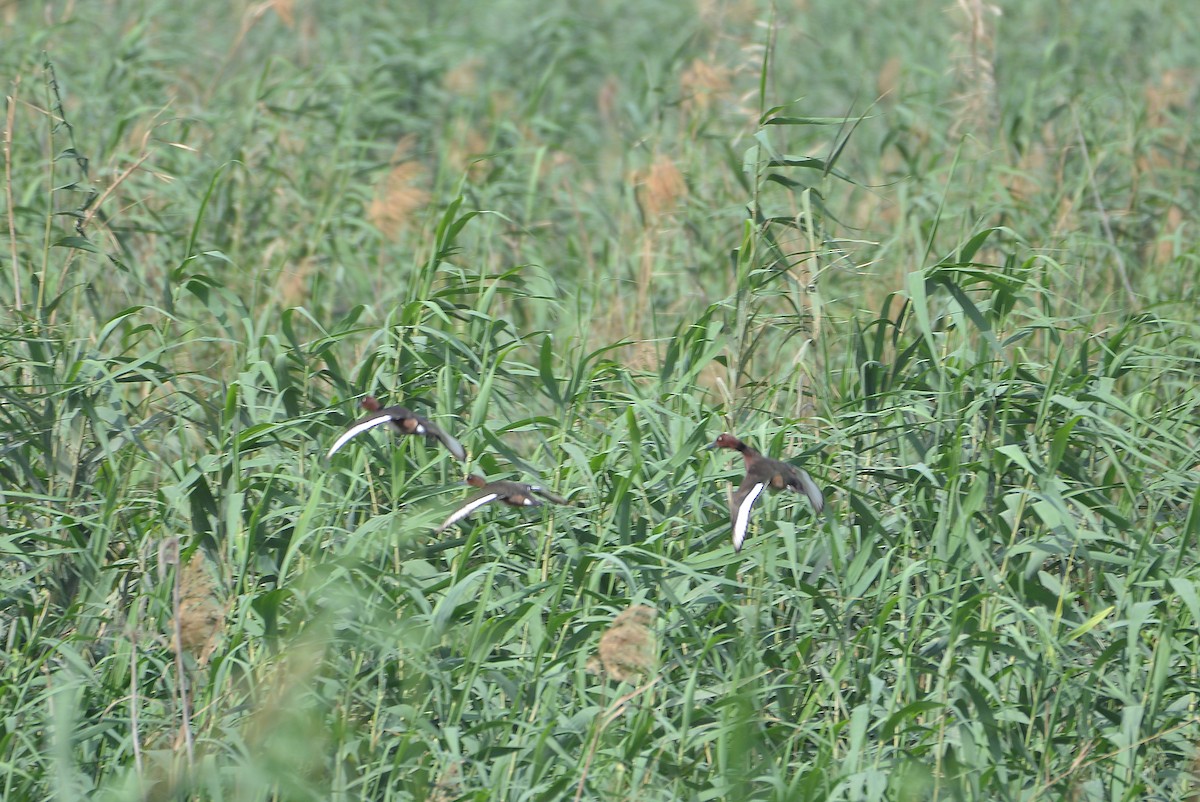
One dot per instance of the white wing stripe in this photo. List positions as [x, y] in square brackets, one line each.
[355, 430]
[467, 509]
[741, 520]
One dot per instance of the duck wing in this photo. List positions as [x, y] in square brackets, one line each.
[473, 503]
[809, 488]
[552, 497]
[358, 427]
[452, 445]
[747, 493]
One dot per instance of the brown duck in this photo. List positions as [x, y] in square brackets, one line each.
[762, 473]
[515, 494]
[401, 420]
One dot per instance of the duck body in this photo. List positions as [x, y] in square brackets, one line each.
[401, 420]
[514, 494]
[763, 473]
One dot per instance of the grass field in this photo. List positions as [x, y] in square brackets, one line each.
[943, 257]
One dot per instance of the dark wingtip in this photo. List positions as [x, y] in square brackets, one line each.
[454, 447]
[812, 491]
[550, 496]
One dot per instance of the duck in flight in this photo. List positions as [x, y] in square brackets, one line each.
[763, 473]
[400, 420]
[515, 494]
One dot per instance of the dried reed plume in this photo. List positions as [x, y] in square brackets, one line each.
[201, 612]
[628, 648]
[399, 193]
[660, 188]
[975, 71]
[701, 86]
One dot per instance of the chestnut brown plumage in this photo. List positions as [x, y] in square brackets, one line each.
[763, 473]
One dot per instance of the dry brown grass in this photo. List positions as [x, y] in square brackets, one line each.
[449, 785]
[888, 80]
[642, 356]
[1166, 247]
[255, 12]
[1174, 91]
[1172, 95]
[1026, 181]
[720, 15]
[293, 284]
[285, 10]
[464, 148]
[606, 100]
[400, 193]
[463, 78]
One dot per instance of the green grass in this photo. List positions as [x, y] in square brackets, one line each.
[586, 242]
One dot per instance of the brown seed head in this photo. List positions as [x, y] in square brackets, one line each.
[628, 647]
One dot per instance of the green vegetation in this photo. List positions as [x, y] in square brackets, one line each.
[945, 259]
